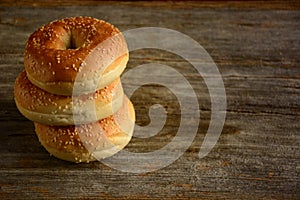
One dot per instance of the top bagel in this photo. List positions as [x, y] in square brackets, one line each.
[80, 52]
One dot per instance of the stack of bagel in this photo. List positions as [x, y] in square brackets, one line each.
[71, 89]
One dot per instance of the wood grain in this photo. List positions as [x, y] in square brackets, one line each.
[257, 155]
[273, 5]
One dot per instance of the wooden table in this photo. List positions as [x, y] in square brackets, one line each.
[256, 48]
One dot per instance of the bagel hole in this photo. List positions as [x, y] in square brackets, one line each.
[71, 44]
[73, 40]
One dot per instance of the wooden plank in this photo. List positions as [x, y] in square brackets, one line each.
[257, 155]
[274, 5]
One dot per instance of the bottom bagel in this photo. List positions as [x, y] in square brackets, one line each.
[89, 142]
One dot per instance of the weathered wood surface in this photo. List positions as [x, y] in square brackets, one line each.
[257, 155]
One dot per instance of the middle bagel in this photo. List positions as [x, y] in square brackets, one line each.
[40, 106]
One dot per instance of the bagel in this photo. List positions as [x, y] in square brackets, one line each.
[88, 51]
[89, 142]
[40, 106]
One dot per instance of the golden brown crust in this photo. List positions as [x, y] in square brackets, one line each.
[74, 48]
[85, 142]
[43, 107]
